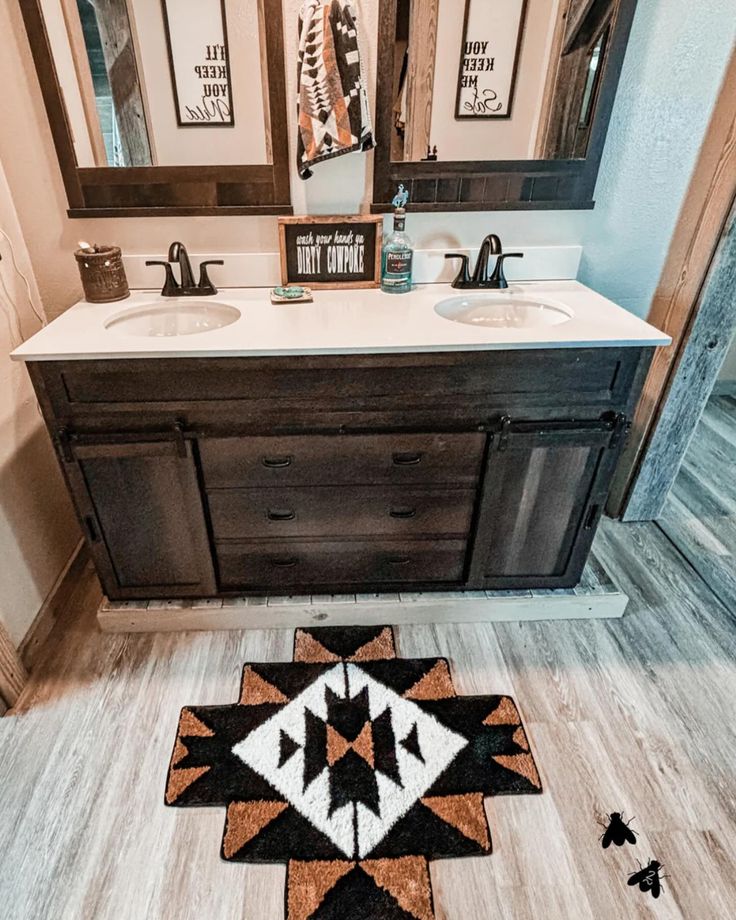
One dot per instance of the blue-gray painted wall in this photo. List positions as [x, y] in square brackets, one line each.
[674, 65]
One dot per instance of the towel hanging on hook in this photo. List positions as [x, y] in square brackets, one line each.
[334, 117]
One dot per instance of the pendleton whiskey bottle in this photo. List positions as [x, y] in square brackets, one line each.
[397, 258]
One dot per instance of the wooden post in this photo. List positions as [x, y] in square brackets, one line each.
[700, 226]
[576, 15]
[264, 79]
[122, 70]
[13, 675]
[692, 383]
[420, 77]
[84, 78]
[550, 82]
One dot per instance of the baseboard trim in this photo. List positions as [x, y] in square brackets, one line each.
[13, 675]
[349, 610]
[55, 603]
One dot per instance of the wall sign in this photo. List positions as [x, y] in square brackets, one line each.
[331, 252]
[196, 37]
[489, 56]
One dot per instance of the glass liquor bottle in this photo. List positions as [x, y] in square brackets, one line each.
[397, 258]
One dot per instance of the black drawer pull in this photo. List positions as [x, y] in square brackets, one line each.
[403, 514]
[398, 560]
[407, 459]
[276, 463]
[284, 563]
[281, 514]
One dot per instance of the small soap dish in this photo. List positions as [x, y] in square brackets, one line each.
[293, 294]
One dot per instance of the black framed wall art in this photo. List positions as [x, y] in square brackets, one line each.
[197, 45]
[489, 58]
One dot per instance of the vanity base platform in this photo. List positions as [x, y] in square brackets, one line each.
[595, 597]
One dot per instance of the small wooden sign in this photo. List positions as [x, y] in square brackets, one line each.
[331, 252]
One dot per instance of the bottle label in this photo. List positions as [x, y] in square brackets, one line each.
[398, 263]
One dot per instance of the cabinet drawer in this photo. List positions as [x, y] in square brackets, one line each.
[282, 565]
[320, 511]
[342, 459]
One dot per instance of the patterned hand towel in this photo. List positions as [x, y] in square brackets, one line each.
[334, 117]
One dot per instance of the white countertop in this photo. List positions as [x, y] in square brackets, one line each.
[342, 322]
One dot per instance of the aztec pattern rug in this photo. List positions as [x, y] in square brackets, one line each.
[353, 767]
[334, 117]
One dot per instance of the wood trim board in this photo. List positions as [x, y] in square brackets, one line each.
[54, 605]
[13, 675]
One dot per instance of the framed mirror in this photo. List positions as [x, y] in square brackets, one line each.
[495, 104]
[165, 107]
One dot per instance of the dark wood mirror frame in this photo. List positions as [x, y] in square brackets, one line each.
[492, 185]
[162, 191]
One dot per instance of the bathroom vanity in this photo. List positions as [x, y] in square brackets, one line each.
[362, 443]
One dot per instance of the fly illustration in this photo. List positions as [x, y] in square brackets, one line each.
[618, 831]
[648, 878]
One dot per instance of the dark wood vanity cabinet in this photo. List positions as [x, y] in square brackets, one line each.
[331, 474]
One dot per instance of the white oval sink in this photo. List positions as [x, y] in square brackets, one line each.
[503, 310]
[179, 316]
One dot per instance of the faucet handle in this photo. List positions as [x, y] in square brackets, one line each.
[205, 286]
[463, 276]
[171, 286]
[498, 279]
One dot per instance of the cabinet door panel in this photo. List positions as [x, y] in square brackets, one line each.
[543, 493]
[141, 506]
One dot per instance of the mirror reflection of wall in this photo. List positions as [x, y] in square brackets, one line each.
[497, 79]
[162, 83]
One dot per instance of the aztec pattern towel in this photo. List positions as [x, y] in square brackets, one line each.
[334, 117]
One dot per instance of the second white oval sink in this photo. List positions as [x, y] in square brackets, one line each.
[179, 316]
[503, 310]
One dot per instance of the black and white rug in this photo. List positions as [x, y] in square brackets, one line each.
[355, 768]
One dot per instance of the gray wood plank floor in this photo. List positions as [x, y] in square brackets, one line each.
[700, 513]
[634, 714]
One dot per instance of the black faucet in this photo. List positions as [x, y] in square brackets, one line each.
[491, 246]
[185, 287]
